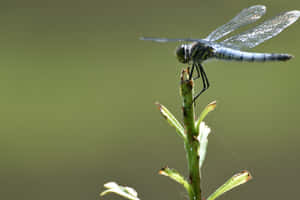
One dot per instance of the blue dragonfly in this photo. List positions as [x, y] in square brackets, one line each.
[200, 50]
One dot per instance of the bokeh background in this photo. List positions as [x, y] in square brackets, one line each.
[78, 90]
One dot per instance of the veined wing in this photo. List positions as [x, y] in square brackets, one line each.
[169, 39]
[246, 16]
[262, 32]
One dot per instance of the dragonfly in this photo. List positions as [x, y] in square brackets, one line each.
[197, 51]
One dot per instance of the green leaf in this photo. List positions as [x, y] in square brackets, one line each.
[233, 182]
[172, 120]
[204, 131]
[173, 174]
[123, 191]
[210, 107]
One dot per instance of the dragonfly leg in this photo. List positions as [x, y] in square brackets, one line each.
[194, 65]
[207, 82]
[204, 79]
[203, 76]
[192, 70]
[198, 73]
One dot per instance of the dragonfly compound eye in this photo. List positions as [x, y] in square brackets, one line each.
[180, 54]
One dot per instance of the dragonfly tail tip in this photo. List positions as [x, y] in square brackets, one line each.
[288, 57]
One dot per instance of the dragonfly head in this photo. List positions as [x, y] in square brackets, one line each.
[182, 53]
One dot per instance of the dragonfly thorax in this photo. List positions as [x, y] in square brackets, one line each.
[195, 52]
[182, 53]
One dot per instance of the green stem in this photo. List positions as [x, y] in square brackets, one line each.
[191, 144]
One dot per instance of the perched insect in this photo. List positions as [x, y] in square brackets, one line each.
[200, 50]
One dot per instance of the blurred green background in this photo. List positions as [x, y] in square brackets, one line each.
[78, 91]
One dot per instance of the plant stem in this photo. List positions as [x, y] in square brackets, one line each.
[191, 144]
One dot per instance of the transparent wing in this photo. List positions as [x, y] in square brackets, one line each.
[169, 40]
[246, 16]
[262, 32]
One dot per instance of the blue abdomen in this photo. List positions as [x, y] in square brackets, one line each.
[232, 54]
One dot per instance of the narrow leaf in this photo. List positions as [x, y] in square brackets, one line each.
[204, 131]
[173, 174]
[123, 191]
[233, 182]
[210, 107]
[171, 119]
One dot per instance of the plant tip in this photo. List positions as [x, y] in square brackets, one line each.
[158, 105]
[212, 105]
[162, 171]
[248, 174]
[182, 75]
